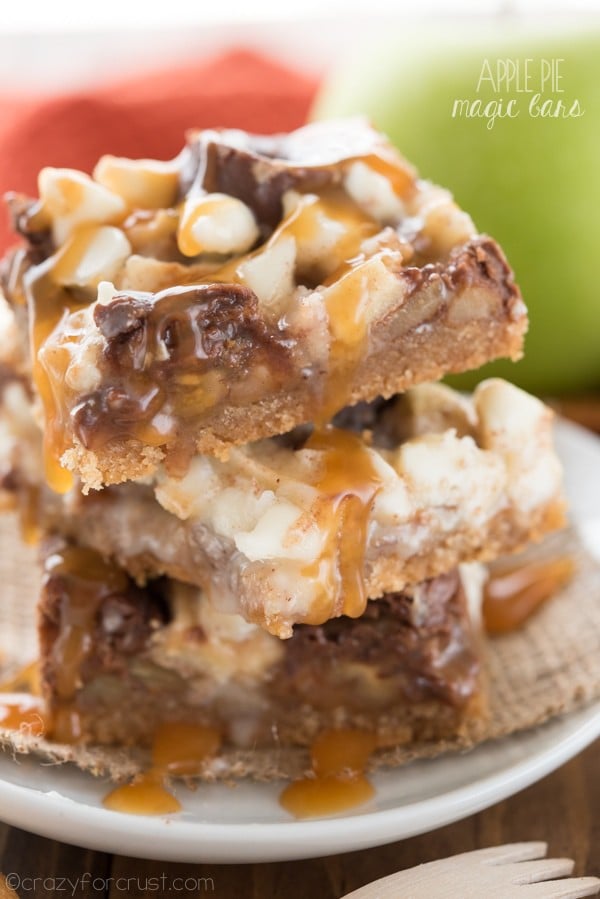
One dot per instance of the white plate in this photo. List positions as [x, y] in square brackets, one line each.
[245, 823]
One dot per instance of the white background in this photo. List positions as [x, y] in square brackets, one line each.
[68, 15]
[55, 45]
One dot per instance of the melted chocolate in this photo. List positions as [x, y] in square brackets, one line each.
[425, 649]
[159, 347]
[259, 169]
[92, 617]
[23, 211]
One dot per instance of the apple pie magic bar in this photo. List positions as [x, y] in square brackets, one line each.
[248, 286]
[119, 660]
[257, 513]
[305, 528]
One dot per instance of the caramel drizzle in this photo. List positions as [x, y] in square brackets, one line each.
[512, 597]
[303, 224]
[178, 750]
[397, 171]
[50, 303]
[349, 482]
[339, 759]
[345, 302]
[47, 305]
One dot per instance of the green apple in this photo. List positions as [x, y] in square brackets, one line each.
[461, 104]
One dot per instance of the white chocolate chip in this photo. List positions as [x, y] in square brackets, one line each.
[90, 256]
[216, 223]
[106, 293]
[518, 427]
[270, 274]
[82, 375]
[71, 199]
[267, 540]
[374, 194]
[470, 480]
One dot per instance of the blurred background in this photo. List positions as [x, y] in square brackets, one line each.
[498, 101]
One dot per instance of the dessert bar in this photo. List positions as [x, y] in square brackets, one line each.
[118, 661]
[248, 286]
[305, 527]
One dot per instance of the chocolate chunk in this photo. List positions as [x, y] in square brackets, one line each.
[420, 642]
[159, 346]
[126, 621]
[113, 412]
[481, 263]
[259, 169]
[23, 211]
[376, 416]
[123, 316]
[91, 616]
[184, 327]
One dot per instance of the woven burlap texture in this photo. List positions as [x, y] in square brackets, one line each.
[550, 667]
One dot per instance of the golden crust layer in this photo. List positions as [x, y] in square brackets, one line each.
[456, 317]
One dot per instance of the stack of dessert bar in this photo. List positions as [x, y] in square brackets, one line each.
[256, 511]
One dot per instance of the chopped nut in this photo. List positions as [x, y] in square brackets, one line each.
[142, 183]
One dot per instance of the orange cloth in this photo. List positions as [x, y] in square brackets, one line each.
[145, 116]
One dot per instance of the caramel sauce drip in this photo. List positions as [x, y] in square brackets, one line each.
[24, 717]
[89, 580]
[72, 251]
[50, 304]
[178, 750]
[399, 175]
[66, 725]
[339, 759]
[146, 796]
[349, 481]
[346, 311]
[512, 597]
[304, 224]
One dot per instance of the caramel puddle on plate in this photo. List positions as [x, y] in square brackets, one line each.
[511, 597]
[24, 715]
[339, 758]
[349, 482]
[178, 750]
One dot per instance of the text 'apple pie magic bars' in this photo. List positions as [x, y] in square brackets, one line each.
[256, 512]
